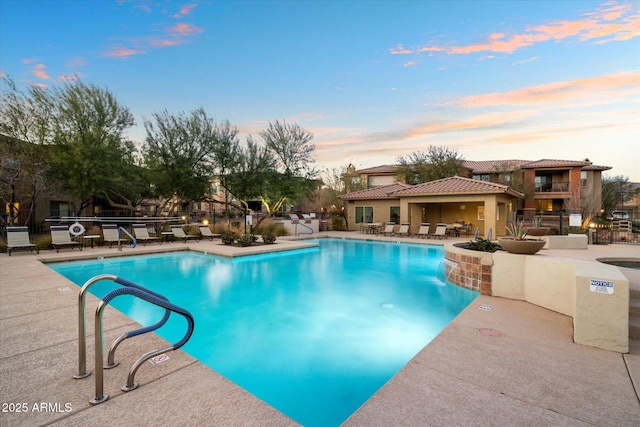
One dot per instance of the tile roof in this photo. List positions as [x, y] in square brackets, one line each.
[457, 185]
[493, 166]
[552, 163]
[378, 170]
[380, 192]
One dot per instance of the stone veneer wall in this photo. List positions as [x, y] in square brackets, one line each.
[469, 269]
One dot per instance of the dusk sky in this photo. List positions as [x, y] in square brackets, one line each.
[372, 80]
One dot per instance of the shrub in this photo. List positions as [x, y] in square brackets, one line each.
[483, 245]
[247, 240]
[337, 224]
[268, 238]
[228, 237]
[273, 228]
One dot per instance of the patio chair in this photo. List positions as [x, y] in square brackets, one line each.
[441, 231]
[61, 238]
[179, 233]
[142, 234]
[111, 235]
[423, 231]
[18, 238]
[206, 232]
[388, 228]
[403, 230]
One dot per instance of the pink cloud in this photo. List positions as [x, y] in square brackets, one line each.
[609, 23]
[39, 70]
[184, 29]
[123, 52]
[154, 42]
[185, 10]
[558, 91]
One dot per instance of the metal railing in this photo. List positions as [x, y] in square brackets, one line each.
[129, 288]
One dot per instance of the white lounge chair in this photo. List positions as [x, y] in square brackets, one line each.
[441, 231]
[61, 238]
[18, 238]
[142, 234]
[179, 233]
[110, 235]
[206, 232]
[403, 230]
[423, 231]
[388, 228]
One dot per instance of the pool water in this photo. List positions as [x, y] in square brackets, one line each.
[313, 332]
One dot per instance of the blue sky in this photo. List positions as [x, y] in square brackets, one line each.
[372, 80]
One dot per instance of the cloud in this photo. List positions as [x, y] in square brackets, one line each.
[586, 88]
[185, 10]
[611, 22]
[123, 52]
[76, 62]
[39, 70]
[183, 29]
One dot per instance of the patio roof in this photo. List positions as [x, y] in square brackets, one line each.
[457, 185]
[380, 192]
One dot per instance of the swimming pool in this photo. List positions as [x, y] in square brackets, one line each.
[313, 332]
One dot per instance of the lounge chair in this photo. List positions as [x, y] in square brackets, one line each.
[388, 228]
[142, 234]
[403, 230]
[441, 231]
[206, 232]
[111, 235]
[18, 238]
[423, 231]
[179, 233]
[61, 238]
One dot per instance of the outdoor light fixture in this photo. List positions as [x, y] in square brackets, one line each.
[463, 207]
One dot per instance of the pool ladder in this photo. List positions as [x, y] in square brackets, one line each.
[128, 288]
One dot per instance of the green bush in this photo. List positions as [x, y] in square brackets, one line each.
[337, 224]
[228, 237]
[247, 240]
[273, 228]
[268, 238]
[483, 245]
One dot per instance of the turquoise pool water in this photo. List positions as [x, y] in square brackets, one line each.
[312, 332]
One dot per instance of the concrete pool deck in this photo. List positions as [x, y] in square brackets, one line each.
[500, 362]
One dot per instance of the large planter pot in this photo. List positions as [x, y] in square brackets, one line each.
[537, 231]
[524, 247]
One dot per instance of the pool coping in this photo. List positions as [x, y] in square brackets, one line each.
[481, 362]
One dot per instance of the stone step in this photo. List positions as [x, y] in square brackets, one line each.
[634, 328]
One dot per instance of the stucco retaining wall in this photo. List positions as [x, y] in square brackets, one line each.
[567, 286]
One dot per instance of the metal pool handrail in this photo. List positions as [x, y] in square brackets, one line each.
[153, 299]
[82, 334]
[133, 239]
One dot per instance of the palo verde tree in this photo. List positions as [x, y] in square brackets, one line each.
[24, 159]
[178, 152]
[616, 191]
[436, 162]
[88, 131]
[292, 149]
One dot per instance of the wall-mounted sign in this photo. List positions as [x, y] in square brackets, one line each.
[601, 286]
[575, 220]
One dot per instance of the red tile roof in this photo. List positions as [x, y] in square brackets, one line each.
[493, 166]
[378, 170]
[380, 192]
[552, 163]
[457, 185]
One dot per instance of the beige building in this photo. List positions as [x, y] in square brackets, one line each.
[454, 200]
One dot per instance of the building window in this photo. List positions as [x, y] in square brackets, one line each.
[583, 179]
[544, 205]
[394, 214]
[483, 177]
[507, 179]
[364, 214]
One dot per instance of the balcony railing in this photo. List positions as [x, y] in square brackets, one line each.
[553, 187]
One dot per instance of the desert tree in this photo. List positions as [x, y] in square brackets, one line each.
[436, 162]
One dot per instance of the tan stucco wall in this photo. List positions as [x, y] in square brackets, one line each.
[563, 285]
[381, 211]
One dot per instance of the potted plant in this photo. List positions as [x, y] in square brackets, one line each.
[517, 242]
[537, 229]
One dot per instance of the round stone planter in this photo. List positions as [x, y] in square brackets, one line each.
[524, 247]
[537, 231]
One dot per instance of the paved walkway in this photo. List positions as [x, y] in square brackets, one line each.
[514, 364]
